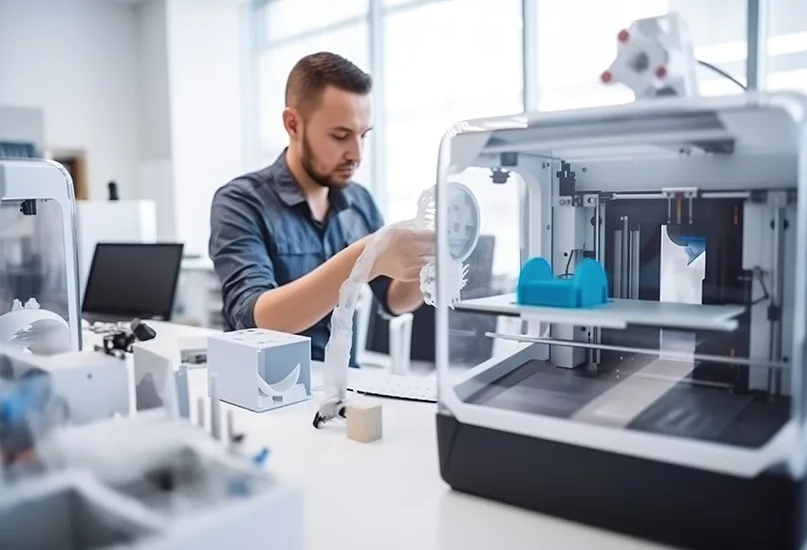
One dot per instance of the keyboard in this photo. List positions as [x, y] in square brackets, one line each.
[386, 384]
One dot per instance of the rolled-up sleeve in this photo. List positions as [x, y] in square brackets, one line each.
[239, 254]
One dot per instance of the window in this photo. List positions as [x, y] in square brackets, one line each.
[447, 62]
[577, 41]
[274, 66]
[787, 46]
[276, 63]
[285, 19]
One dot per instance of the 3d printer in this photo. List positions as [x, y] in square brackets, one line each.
[675, 408]
[38, 268]
[79, 468]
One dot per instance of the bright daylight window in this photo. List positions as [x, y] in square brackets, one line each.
[294, 29]
[447, 62]
[577, 41]
[787, 46]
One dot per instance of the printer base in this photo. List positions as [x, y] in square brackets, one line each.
[666, 503]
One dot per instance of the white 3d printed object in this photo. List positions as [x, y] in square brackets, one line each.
[260, 369]
[655, 58]
[29, 327]
[463, 234]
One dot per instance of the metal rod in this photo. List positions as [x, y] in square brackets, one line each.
[625, 282]
[676, 355]
[524, 223]
[704, 195]
[597, 232]
[777, 284]
[725, 195]
[634, 265]
[596, 332]
[618, 264]
[637, 196]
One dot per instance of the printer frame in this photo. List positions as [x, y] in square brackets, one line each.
[732, 167]
[28, 182]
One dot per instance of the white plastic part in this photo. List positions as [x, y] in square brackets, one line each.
[215, 408]
[400, 343]
[655, 58]
[463, 227]
[280, 388]
[29, 327]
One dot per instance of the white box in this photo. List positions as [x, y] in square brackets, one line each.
[260, 369]
[94, 385]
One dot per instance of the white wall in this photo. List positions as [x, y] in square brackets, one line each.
[204, 59]
[151, 90]
[155, 172]
[74, 59]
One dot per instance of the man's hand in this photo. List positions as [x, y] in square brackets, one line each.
[405, 253]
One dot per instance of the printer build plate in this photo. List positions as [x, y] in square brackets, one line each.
[681, 409]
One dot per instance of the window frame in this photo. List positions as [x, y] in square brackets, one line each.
[756, 64]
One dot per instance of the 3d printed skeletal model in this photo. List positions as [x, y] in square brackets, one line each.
[462, 229]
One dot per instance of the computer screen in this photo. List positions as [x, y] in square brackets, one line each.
[133, 279]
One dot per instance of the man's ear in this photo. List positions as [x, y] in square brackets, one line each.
[291, 121]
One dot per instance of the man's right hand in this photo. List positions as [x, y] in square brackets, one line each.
[405, 253]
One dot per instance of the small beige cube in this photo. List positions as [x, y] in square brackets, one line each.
[363, 421]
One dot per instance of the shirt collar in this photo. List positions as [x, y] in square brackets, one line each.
[291, 194]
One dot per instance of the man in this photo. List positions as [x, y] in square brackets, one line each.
[285, 238]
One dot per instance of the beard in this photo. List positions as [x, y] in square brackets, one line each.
[325, 180]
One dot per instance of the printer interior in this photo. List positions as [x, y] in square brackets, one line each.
[695, 336]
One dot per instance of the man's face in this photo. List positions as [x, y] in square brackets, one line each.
[332, 137]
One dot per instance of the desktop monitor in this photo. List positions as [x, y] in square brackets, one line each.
[133, 280]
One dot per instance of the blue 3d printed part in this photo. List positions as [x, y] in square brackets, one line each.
[537, 286]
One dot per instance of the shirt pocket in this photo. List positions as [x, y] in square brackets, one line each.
[296, 257]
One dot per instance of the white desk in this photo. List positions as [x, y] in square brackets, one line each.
[387, 494]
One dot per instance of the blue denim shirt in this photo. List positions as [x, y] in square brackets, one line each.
[263, 235]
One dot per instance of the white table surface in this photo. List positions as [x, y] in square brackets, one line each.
[387, 494]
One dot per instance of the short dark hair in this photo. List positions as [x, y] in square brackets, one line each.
[312, 74]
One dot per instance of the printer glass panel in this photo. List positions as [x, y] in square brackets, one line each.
[34, 308]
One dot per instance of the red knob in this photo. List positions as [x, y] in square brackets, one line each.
[606, 77]
[623, 36]
[661, 72]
